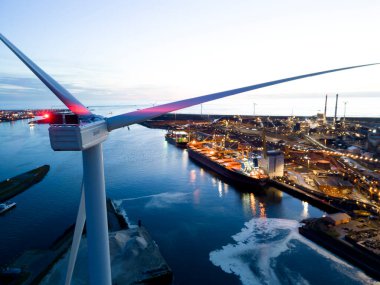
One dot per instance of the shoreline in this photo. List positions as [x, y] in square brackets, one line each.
[304, 196]
[352, 252]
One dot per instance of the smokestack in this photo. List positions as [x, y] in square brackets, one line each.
[264, 144]
[325, 109]
[336, 108]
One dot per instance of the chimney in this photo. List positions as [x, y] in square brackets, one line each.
[265, 155]
[336, 108]
[325, 118]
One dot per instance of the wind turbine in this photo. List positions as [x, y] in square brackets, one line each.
[87, 136]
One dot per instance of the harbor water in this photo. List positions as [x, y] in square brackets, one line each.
[208, 231]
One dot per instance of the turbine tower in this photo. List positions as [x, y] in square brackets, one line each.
[87, 136]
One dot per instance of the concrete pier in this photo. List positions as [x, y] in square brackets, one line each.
[135, 258]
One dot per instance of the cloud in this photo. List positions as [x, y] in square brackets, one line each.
[30, 92]
[12, 87]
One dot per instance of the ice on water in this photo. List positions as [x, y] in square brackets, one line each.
[257, 255]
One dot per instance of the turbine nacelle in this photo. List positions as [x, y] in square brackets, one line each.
[78, 137]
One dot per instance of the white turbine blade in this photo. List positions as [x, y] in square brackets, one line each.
[79, 225]
[69, 100]
[126, 119]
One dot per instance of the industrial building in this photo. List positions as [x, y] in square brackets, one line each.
[338, 219]
[373, 141]
[333, 185]
[273, 163]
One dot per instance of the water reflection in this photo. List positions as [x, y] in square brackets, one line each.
[193, 175]
[31, 130]
[249, 203]
[196, 196]
[262, 210]
[185, 158]
[225, 188]
[256, 204]
[165, 148]
[273, 195]
[305, 211]
[220, 189]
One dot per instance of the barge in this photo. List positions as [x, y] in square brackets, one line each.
[18, 184]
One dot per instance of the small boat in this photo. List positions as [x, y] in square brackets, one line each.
[4, 207]
[10, 271]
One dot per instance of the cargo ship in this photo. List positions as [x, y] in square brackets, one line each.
[178, 138]
[241, 171]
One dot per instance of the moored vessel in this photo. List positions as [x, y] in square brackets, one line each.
[178, 138]
[239, 170]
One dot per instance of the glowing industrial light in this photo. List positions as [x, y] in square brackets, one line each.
[46, 116]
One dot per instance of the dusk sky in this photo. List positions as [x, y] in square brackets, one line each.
[151, 52]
